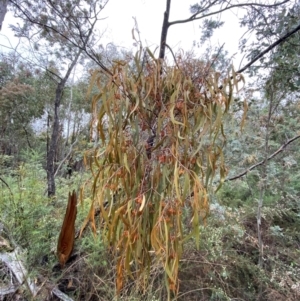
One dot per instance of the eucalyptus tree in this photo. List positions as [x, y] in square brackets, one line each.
[66, 30]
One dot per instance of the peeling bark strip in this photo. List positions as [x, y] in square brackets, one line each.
[67, 234]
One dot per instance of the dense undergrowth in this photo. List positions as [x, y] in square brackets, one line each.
[224, 268]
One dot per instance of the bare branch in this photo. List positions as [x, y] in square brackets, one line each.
[279, 41]
[216, 56]
[280, 149]
[196, 17]
[261, 54]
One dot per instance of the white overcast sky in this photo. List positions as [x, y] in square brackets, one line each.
[149, 15]
[118, 24]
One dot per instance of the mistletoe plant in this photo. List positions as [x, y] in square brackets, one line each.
[162, 136]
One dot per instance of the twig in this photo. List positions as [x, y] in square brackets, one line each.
[172, 55]
[3, 181]
[193, 291]
[65, 158]
[216, 56]
[61, 295]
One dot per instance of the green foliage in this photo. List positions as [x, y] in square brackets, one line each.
[25, 211]
[162, 142]
[33, 219]
[284, 60]
[208, 27]
[225, 267]
[235, 194]
[94, 246]
[60, 30]
[21, 103]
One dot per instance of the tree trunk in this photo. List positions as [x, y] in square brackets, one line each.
[3, 10]
[164, 31]
[55, 130]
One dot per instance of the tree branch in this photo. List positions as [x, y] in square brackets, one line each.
[279, 41]
[194, 16]
[66, 157]
[276, 43]
[82, 48]
[280, 149]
